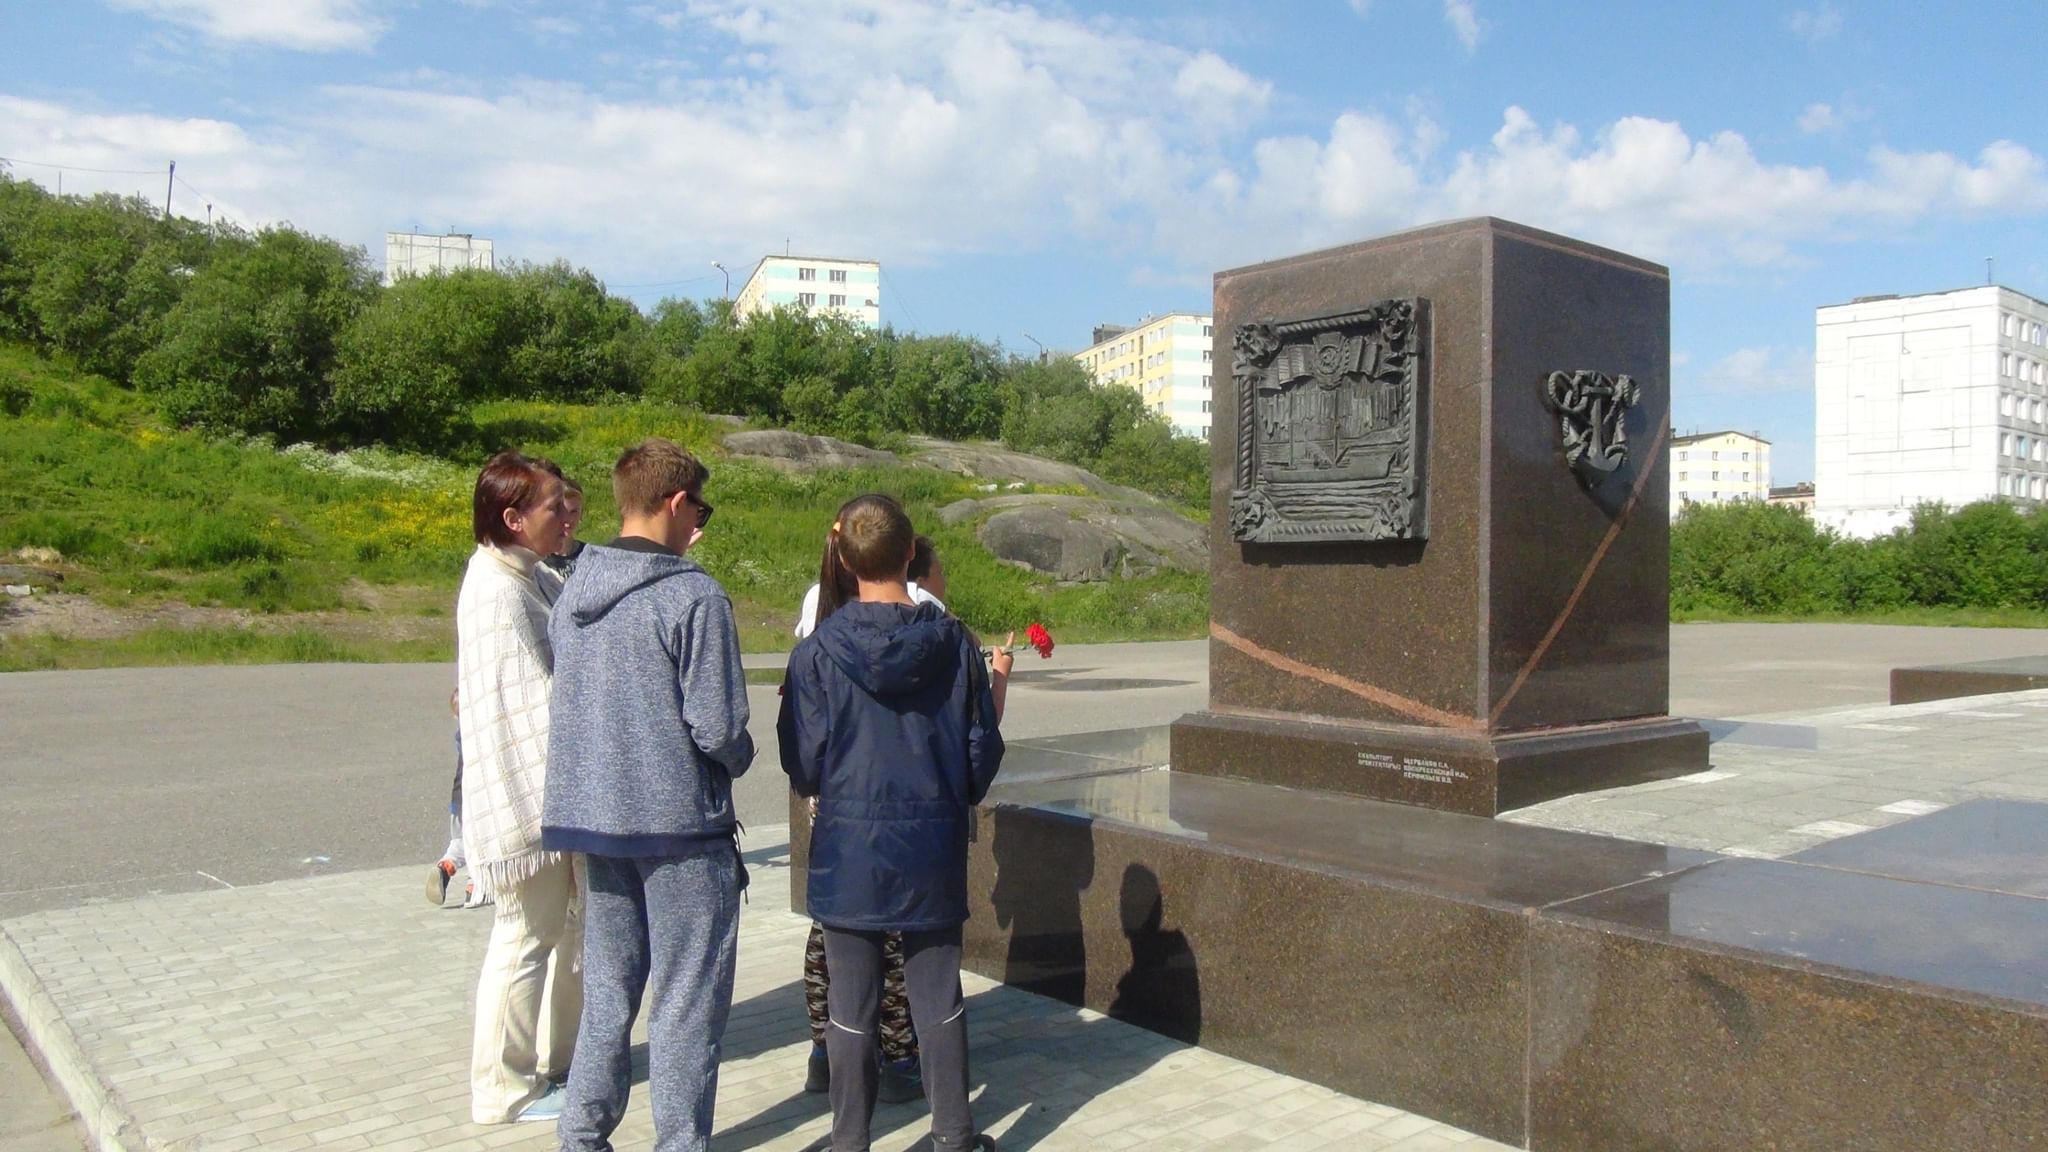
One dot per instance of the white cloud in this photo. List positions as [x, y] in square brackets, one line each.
[1818, 118]
[978, 127]
[1814, 25]
[1465, 22]
[305, 25]
[1362, 7]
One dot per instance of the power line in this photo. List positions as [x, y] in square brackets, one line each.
[77, 168]
[890, 289]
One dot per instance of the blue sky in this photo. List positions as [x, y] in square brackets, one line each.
[1035, 169]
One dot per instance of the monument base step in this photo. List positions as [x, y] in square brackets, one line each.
[1549, 989]
[1476, 773]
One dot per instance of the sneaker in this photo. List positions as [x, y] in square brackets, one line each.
[818, 1076]
[548, 1107]
[437, 881]
[901, 1082]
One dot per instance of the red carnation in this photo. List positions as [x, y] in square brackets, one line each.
[1040, 639]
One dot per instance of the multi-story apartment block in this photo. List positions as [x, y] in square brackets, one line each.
[1940, 397]
[1168, 359]
[1719, 468]
[849, 288]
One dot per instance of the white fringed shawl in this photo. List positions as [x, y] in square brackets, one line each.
[504, 666]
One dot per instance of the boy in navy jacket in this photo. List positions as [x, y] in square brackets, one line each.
[887, 719]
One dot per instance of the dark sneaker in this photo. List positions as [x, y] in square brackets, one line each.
[818, 1077]
[901, 1082]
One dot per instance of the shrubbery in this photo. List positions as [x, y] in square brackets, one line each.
[290, 335]
[1773, 560]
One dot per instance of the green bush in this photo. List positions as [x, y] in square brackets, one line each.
[1772, 560]
[249, 346]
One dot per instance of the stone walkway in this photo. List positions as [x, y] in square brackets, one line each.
[333, 1013]
[1777, 784]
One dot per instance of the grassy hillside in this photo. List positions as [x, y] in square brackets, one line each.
[301, 554]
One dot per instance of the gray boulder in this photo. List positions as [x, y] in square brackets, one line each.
[796, 452]
[1076, 538]
[994, 462]
[1046, 540]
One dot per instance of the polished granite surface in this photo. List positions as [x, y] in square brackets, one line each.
[1996, 845]
[1465, 856]
[1047, 758]
[1985, 942]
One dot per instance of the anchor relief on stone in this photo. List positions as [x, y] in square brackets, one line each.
[1592, 410]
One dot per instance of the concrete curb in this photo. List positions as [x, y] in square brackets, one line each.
[51, 1045]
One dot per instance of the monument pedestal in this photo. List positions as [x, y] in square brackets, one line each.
[1473, 772]
[1439, 539]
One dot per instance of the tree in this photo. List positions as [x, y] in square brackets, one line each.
[408, 366]
[250, 344]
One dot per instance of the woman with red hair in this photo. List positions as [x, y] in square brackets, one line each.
[529, 998]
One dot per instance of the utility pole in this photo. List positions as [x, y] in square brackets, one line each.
[170, 179]
[728, 278]
[1043, 355]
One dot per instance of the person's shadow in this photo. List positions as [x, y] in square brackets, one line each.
[1162, 990]
[1044, 868]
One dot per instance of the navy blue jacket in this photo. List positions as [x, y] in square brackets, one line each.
[887, 719]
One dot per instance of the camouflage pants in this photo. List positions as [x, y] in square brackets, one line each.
[899, 1043]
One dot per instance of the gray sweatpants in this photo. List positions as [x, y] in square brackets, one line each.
[670, 923]
[931, 977]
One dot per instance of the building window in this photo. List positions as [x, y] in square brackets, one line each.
[836, 275]
[1717, 456]
[1205, 382]
[1205, 405]
[2005, 445]
[1717, 476]
[807, 299]
[836, 301]
[1208, 329]
[1205, 433]
[2005, 364]
[1205, 355]
[807, 273]
[2005, 404]
[1745, 459]
[1681, 476]
[1745, 477]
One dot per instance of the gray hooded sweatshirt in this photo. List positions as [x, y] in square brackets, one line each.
[648, 721]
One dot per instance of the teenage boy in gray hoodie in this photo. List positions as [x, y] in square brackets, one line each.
[649, 730]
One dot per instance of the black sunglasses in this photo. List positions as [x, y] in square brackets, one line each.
[703, 510]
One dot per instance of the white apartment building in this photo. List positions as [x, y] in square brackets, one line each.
[1719, 468]
[418, 254]
[1168, 359]
[850, 288]
[1941, 397]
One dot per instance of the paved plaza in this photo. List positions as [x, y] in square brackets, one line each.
[215, 942]
[333, 1013]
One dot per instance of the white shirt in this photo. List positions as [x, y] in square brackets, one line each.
[807, 618]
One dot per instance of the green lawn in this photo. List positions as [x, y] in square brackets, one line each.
[144, 514]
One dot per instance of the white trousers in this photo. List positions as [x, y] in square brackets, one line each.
[529, 999]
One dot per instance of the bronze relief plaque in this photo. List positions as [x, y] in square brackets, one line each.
[1332, 424]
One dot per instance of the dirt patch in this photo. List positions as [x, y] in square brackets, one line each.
[83, 618]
